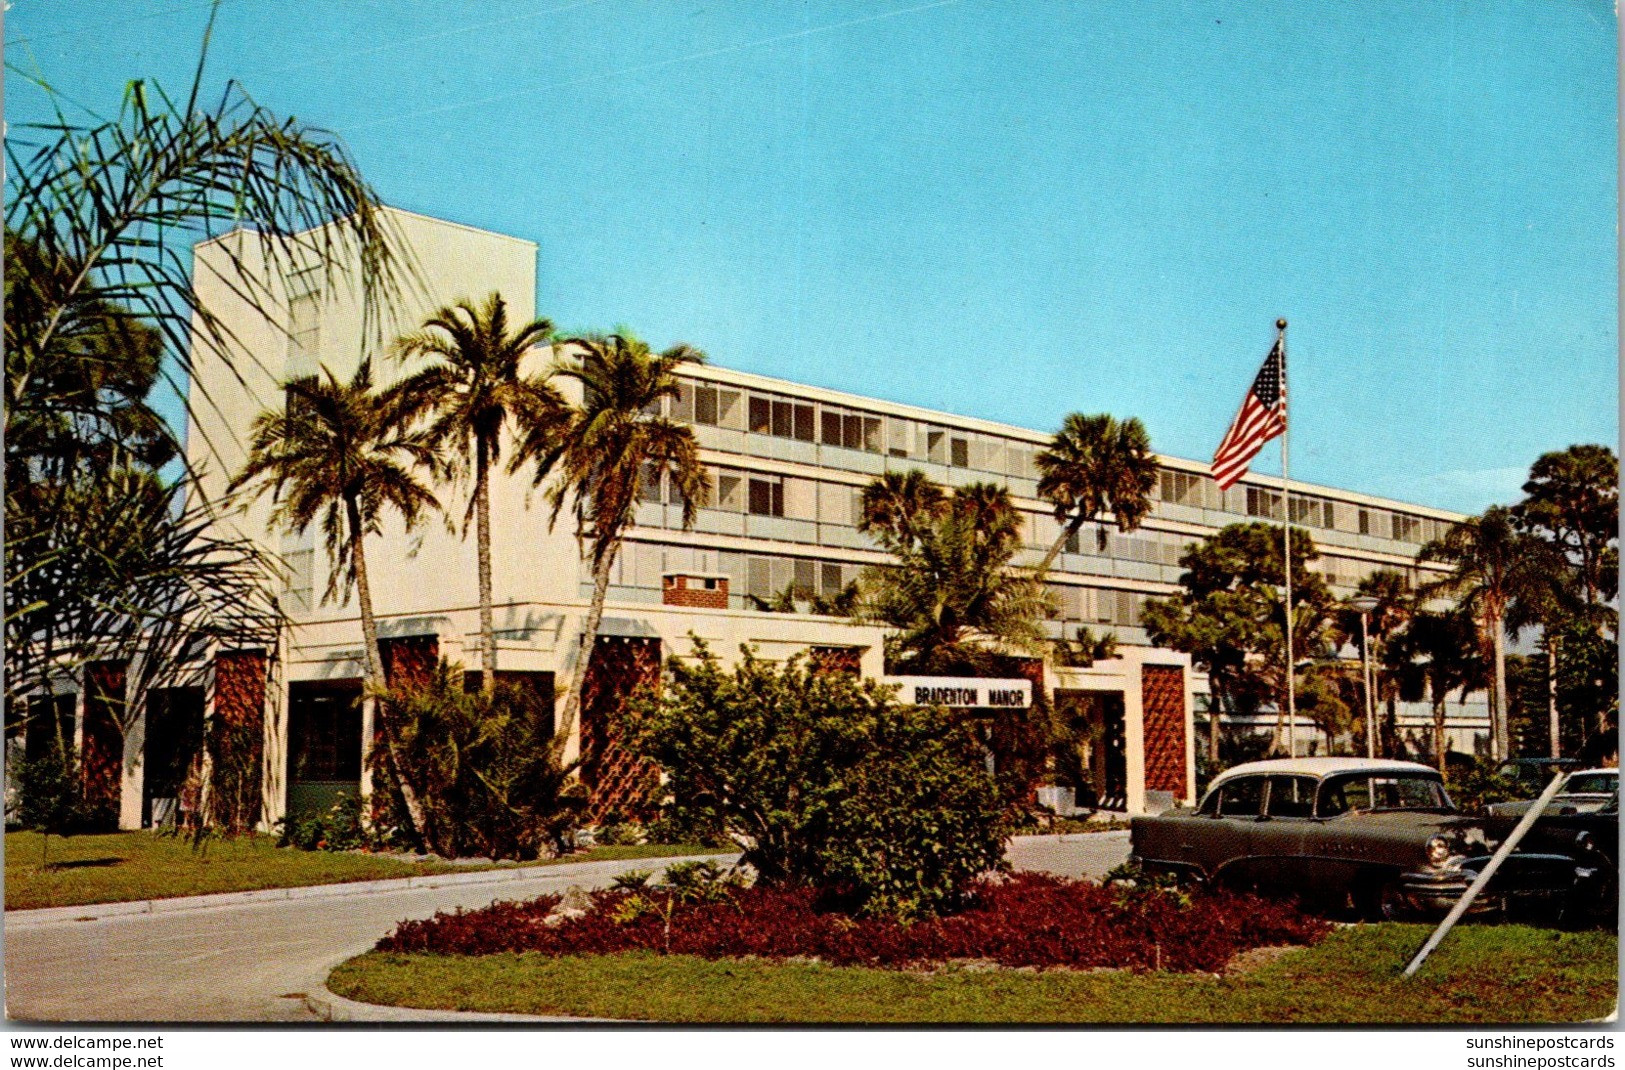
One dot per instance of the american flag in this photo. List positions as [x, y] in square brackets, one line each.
[1262, 417]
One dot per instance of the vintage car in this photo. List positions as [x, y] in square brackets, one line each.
[1380, 836]
[1581, 821]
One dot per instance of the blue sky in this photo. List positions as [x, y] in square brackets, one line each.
[1008, 210]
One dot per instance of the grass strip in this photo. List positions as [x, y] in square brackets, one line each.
[1482, 974]
[125, 866]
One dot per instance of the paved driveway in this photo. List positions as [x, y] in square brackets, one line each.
[253, 962]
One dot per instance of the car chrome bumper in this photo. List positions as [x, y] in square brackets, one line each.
[1522, 876]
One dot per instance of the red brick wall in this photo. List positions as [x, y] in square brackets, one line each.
[690, 592]
[237, 739]
[102, 757]
[1163, 702]
[836, 659]
[409, 658]
[616, 779]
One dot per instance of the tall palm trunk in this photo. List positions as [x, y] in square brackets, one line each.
[482, 542]
[1498, 718]
[1214, 727]
[589, 637]
[1071, 529]
[1440, 748]
[373, 666]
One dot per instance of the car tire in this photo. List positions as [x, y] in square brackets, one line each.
[1392, 903]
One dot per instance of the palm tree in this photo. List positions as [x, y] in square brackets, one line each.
[600, 457]
[1494, 568]
[469, 393]
[101, 214]
[1436, 654]
[1096, 465]
[337, 455]
[951, 591]
[1395, 606]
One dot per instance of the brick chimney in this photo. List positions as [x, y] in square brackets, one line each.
[694, 590]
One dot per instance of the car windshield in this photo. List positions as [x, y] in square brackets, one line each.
[1591, 784]
[1382, 791]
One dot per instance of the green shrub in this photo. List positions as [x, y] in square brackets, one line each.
[339, 828]
[487, 769]
[825, 781]
[49, 795]
[1473, 787]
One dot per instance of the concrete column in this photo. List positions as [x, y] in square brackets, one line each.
[1134, 736]
[133, 768]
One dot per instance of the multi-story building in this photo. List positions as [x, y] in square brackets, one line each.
[787, 461]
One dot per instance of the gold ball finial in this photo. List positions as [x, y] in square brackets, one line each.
[1280, 325]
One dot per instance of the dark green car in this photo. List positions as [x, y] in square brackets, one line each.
[1380, 836]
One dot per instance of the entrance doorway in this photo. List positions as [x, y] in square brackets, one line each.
[1094, 758]
[324, 744]
[174, 741]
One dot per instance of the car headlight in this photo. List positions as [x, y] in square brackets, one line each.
[1439, 851]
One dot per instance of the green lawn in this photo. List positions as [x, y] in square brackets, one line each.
[1482, 974]
[124, 866]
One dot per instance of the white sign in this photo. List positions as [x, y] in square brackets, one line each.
[963, 692]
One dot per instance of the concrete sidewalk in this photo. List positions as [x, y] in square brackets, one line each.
[27, 919]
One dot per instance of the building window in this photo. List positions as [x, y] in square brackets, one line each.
[761, 415]
[705, 405]
[1407, 528]
[766, 497]
[959, 452]
[1264, 503]
[832, 435]
[1368, 522]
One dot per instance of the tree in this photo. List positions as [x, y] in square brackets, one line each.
[1095, 465]
[106, 558]
[105, 208]
[602, 456]
[339, 455]
[1438, 653]
[490, 783]
[1396, 604]
[1231, 616]
[473, 388]
[1572, 500]
[951, 589]
[826, 780]
[1494, 568]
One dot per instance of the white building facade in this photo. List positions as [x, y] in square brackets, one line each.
[787, 461]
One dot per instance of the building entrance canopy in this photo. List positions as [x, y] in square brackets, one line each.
[964, 692]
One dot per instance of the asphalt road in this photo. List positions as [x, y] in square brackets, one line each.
[254, 962]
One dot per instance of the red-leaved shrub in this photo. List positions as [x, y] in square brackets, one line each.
[1026, 920]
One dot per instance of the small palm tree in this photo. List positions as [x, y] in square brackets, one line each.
[336, 455]
[600, 457]
[1096, 465]
[951, 591]
[474, 386]
[1494, 570]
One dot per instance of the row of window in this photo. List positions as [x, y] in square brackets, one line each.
[737, 490]
[785, 417]
[765, 576]
[776, 415]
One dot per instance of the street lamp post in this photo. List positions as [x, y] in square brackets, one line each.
[1365, 604]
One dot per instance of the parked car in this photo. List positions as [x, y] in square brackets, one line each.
[1533, 774]
[1380, 835]
[1581, 821]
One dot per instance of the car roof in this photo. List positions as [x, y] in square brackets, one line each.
[1323, 767]
[1589, 772]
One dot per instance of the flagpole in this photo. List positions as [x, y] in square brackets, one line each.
[1286, 551]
